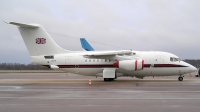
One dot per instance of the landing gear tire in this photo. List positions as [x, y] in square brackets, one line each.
[111, 79]
[108, 79]
[180, 78]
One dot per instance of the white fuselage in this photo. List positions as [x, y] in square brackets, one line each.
[109, 64]
[155, 64]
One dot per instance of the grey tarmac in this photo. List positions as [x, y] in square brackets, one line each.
[62, 92]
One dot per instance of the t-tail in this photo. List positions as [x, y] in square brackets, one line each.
[85, 45]
[37, 40]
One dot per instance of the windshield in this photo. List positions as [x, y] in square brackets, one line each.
[173, 59]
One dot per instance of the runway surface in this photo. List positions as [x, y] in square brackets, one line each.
[61, 92]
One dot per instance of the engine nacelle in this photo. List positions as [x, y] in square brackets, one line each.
[53, 67]
[130, 65]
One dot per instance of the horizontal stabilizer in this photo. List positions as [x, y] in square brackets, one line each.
[23, 24]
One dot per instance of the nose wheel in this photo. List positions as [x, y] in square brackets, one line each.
[180, 78]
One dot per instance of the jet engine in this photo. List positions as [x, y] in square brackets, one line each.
[130, 65]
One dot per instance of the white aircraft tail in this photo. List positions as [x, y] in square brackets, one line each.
[37, 40]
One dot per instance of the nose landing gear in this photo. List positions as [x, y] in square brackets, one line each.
[180, 78]
[198, 73]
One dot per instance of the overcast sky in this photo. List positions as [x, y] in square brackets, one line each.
[159, 25]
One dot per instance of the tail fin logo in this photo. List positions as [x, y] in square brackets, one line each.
[40, 40]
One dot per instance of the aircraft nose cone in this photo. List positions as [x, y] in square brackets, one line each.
[193, 69]
[189, 68]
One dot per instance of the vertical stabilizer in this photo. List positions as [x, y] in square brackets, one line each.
[86, 45]
[37, 40]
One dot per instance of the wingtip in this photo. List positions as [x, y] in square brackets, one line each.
[6, 22]
[82, 38]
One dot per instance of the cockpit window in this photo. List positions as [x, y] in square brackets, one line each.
[173, 59]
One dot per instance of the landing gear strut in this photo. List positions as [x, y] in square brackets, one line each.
[180, 78]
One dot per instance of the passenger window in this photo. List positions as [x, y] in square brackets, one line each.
[85, 60]
[97, 60]
[89, 60]
[105, 60]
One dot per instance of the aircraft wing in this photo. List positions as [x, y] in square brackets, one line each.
[112, 55]
[85, 45]
[109, 53]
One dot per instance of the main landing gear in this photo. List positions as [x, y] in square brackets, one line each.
[108, 79]
[180, 78]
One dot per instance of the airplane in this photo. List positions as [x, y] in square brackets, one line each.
[85, 45]
[107, 64]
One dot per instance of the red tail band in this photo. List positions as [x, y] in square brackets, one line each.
[136, 63]
[142, 64]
